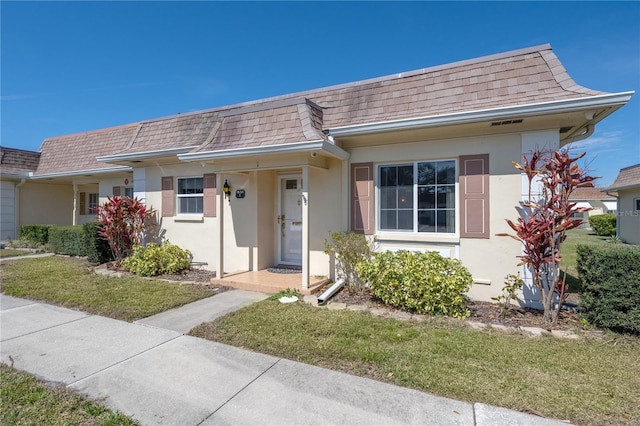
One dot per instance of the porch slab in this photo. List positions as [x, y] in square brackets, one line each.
[265, 281]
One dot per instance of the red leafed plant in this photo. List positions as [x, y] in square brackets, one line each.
[545, 217]
[124, 220]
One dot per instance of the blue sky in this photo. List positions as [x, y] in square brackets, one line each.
[69, 67]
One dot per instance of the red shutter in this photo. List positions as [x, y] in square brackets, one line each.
[209, 185]
[83, 203]
[362, 201]
[474, 196]
[168, 196]
[116, 191]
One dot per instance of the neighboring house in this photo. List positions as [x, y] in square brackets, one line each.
[595, 199]
[420, 160]
[627, 185]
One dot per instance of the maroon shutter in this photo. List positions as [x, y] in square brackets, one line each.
[209, 186]
[168, 196]
[474, 196]
[116, 191]
[362, 201]
[83, 203]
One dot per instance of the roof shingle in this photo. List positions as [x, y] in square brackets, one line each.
[629, 177]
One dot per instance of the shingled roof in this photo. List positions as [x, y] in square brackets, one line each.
[529, 76]
[591, 194]
[629, 177]
[77, 153]
[18, 162]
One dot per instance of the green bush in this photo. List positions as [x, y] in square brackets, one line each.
[96, 247]
[67, 240]
[610, 278]
[603, 224]
[36, 234]
[349, 249]
[155, 260]
[426, 283]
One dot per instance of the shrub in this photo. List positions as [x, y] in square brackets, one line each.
[97, 248]
[603, 224]
[610, 278]
[155, 260]
[67, 240]
[36, 234]
[124, 221]
[426, 283]
[349, 249]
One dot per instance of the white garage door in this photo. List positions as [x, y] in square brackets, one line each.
[7, 211]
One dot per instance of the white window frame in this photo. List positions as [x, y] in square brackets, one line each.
[92, 206]
[181, 196]
[415, 231]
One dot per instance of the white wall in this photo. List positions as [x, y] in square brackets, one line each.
[628, 218]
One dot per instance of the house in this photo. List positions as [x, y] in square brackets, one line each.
[627, 185]
[419, 160]
[595, 199]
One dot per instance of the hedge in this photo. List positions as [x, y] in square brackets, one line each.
[610, 279]
[36, 234]
[603, 224]
[96, 248]
[67, 240]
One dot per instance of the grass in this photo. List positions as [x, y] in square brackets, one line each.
[577, 237]
[71, 282]
[26, 401]
[587, 381]
[12, 253]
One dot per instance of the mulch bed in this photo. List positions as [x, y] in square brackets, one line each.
[485, 312]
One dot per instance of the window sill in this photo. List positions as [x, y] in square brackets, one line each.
[414, 237]
[189, 218]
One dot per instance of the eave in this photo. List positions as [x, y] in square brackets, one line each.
[85, 172]
[320, 146]
[144, 155]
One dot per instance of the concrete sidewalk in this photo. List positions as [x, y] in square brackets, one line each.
[160, 377]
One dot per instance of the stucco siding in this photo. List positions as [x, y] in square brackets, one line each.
[628, 217]
[46, 204]
[197, 234]
[489, 260]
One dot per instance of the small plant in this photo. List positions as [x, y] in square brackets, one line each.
[426, 283]
[38, 235]
[155, 260]
[349, 250]
[512, 284]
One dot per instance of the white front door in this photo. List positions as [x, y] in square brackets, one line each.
[290, 220]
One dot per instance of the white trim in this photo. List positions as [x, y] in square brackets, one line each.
[180, 214]
[565, 105]
[319, 145]
[84, 172]
[144, 155]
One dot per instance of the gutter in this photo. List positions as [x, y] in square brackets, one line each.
[319, 145]
[565, 105]
[83, 172]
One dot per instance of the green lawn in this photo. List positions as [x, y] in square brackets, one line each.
[12, 253]
[71, 282]
[26, 401]
[588, 381]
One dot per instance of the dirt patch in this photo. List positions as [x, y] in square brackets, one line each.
[485, 312]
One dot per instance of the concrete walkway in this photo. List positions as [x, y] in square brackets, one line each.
[152, 372]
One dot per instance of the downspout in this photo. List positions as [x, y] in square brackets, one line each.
[74, 221]
[589, 129]
[16, 223]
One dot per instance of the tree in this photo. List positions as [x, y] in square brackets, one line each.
[544, 219]
[124, 220]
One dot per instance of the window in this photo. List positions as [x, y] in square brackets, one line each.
[418, 197]
[128, 192]
[636, 204]
[93, 203]
[190, 195]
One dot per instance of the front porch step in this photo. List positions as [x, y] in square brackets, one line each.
[236, 281]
